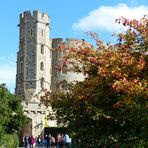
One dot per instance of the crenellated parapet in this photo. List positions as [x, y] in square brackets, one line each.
[35, 15]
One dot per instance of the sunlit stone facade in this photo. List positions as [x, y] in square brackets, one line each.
[36, 66]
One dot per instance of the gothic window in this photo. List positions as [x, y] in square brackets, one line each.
[42, 83]
[42, 49]
[41, 66]
[21, 67]
[31, 33]
[42, 33]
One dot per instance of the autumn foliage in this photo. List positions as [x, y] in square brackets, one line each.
[110, 105]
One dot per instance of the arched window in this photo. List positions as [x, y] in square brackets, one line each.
[42, 49]
[41, 66]
[42, 82]
[31, 32]
[21, 66]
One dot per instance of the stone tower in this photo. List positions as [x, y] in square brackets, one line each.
[34, 66]
[37, 59]
[61, 78]
[34, 56]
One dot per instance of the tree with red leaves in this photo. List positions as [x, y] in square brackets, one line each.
[110, 106]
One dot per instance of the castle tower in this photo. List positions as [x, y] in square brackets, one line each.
[37, 60]
[34, 67]
[61, 77]
[34, 56]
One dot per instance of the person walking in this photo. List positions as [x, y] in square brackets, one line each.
[39, 141]
[58, 140]
[67, 141]
[32, 141]
[47, 139]
[26, 141]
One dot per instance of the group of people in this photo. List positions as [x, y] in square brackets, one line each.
[28, 141]
[49, 141]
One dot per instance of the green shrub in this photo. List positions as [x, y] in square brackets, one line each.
[16, 140]
[10, 141]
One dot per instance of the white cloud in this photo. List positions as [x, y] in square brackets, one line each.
[8, 71]
[104, 17]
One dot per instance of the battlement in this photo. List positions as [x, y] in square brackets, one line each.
[35, 15]
[68, 41]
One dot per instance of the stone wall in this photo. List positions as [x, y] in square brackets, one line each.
[37, 59]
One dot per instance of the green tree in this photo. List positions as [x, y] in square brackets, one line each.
[110, 105]
[11, 112]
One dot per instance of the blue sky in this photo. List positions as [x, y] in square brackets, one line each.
[69, 18]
